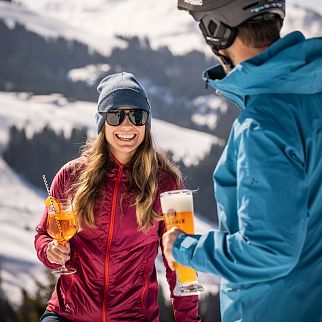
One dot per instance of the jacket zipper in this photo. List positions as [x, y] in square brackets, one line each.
[145, 274]
[109, 242]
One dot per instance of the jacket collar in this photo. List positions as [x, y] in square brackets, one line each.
[114, 166]
[288, 58]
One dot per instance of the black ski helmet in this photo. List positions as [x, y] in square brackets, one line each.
[219, 19]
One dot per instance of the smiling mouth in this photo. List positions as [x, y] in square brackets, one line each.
[126, 137]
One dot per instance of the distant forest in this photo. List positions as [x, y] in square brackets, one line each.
[31, 63]
[28, 60]
[46, 151]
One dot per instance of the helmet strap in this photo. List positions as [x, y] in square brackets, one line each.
[226, 61]
[224, 38]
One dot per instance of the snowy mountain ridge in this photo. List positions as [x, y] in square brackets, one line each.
[97, 22]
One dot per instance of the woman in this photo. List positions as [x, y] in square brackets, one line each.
[115, 187]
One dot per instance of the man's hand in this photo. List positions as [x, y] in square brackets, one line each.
[58, 253]
[168, 240]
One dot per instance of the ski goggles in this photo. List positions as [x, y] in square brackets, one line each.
[137, 117]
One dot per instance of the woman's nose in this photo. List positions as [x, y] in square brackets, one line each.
[126, 121]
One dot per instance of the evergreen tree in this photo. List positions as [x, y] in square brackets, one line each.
[34, 305]
[44, 153]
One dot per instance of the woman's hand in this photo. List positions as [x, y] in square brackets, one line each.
[58, 253]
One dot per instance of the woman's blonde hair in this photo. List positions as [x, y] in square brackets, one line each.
[144, 166]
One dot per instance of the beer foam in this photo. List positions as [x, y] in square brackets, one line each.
[178, 202]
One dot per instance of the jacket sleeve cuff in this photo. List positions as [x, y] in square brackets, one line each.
[183, 248]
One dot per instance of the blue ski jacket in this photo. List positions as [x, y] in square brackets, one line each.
[268, 188]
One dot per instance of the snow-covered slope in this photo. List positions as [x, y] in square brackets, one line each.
[96, 22]
[20, 209]
[21, 205]
[34, 112]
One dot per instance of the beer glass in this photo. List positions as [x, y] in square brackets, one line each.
[177, 208]
[61, 225]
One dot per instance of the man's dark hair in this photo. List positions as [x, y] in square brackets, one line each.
[260, 33]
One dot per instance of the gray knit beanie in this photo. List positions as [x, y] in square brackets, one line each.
[119, 90]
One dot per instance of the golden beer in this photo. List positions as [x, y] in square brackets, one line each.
[177, 208]
[184, 221]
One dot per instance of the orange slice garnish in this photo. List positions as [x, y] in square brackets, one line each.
[49, 201]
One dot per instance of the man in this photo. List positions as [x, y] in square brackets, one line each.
[268, 182]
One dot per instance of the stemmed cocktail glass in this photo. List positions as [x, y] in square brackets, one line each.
[61, 224]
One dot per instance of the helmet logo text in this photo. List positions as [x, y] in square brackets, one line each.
[194, 2]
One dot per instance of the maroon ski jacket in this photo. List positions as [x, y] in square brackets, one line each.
[116, 276]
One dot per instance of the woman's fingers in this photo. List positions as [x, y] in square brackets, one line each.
[58, 253]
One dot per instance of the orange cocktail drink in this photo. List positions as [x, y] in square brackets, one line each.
[61, 225]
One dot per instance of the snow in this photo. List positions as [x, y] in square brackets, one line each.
[88, 74]
[20, 209]
[34, 112]
[312, 4]
[183, 143]
[97, 22]
[208, 108]
[21, 205]
[300, 18]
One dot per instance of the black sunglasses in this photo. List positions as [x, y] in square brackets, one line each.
[136, 116]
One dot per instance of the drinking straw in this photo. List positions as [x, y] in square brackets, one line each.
[53, 206]
[49, 194]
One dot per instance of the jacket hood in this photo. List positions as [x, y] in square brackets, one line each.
[292, 65]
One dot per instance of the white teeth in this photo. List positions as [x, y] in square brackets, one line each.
[125, 137]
